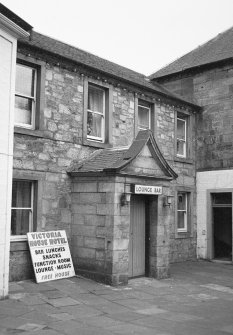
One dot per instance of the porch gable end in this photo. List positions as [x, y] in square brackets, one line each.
[142, 158]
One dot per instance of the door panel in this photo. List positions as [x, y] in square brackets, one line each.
[137, 237]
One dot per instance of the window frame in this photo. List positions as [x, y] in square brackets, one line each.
[147, 103]
[149, 111]
[189, 191]
[188, 119]
[39, 105]
[32, 98]
[95, 138]
[106, 141]
[38, 179]
[185, 211]
[180, 139]
[32, 209]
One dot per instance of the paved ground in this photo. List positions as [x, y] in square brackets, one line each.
[197, 299]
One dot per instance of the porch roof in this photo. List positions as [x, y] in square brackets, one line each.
[116, 159]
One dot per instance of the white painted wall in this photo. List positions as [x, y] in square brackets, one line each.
[9, 32]
[208, 180]
[7, 75]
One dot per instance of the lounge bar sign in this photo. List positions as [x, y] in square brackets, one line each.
[146, 189]
[50, 255]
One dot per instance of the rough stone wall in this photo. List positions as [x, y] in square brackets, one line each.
[161, 219]
[59, 140]
[48, 153]
[212, 89]
[50, 150]
[20, 262]
[181, 247]
[121, 223]
[100, 230]
[63, 114]
[123, 117]
[165, 130]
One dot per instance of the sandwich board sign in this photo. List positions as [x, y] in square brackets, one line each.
[50, 255]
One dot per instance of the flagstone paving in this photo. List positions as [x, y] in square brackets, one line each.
[196, 300]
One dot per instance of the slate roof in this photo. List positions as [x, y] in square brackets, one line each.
[82, 57]
[100, 160]
[107, 160]
[217, 49]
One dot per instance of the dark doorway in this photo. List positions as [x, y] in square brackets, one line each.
[222, 226]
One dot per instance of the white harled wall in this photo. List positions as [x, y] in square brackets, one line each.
[208, 180]
[9, 32]
[7, 80]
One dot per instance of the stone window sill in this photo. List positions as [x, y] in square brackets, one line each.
[19, 246]
[181, 235]
[96, 144]
[30, 132]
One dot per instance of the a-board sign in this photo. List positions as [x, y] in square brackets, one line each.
[147, 189]
[50, 255]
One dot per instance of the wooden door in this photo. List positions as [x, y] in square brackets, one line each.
[137, 237]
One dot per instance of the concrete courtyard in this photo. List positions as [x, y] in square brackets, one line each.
[196, 299]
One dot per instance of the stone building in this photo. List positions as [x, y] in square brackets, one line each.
[205, 77]
[106, 154]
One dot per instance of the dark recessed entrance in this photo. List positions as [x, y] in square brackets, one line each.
[222, 225]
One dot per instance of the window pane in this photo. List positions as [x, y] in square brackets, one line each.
[23, 110]
[25, 80]
[21, 194]
[181, 220]
[20, 221]
[181, 199]
[181, 129]
[143, 117]
[180, 148]
[95, 99]
[94, 124]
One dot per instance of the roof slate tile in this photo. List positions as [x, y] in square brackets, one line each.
[217, 49]
[82, 57]
[100, 160]
[117, 159]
